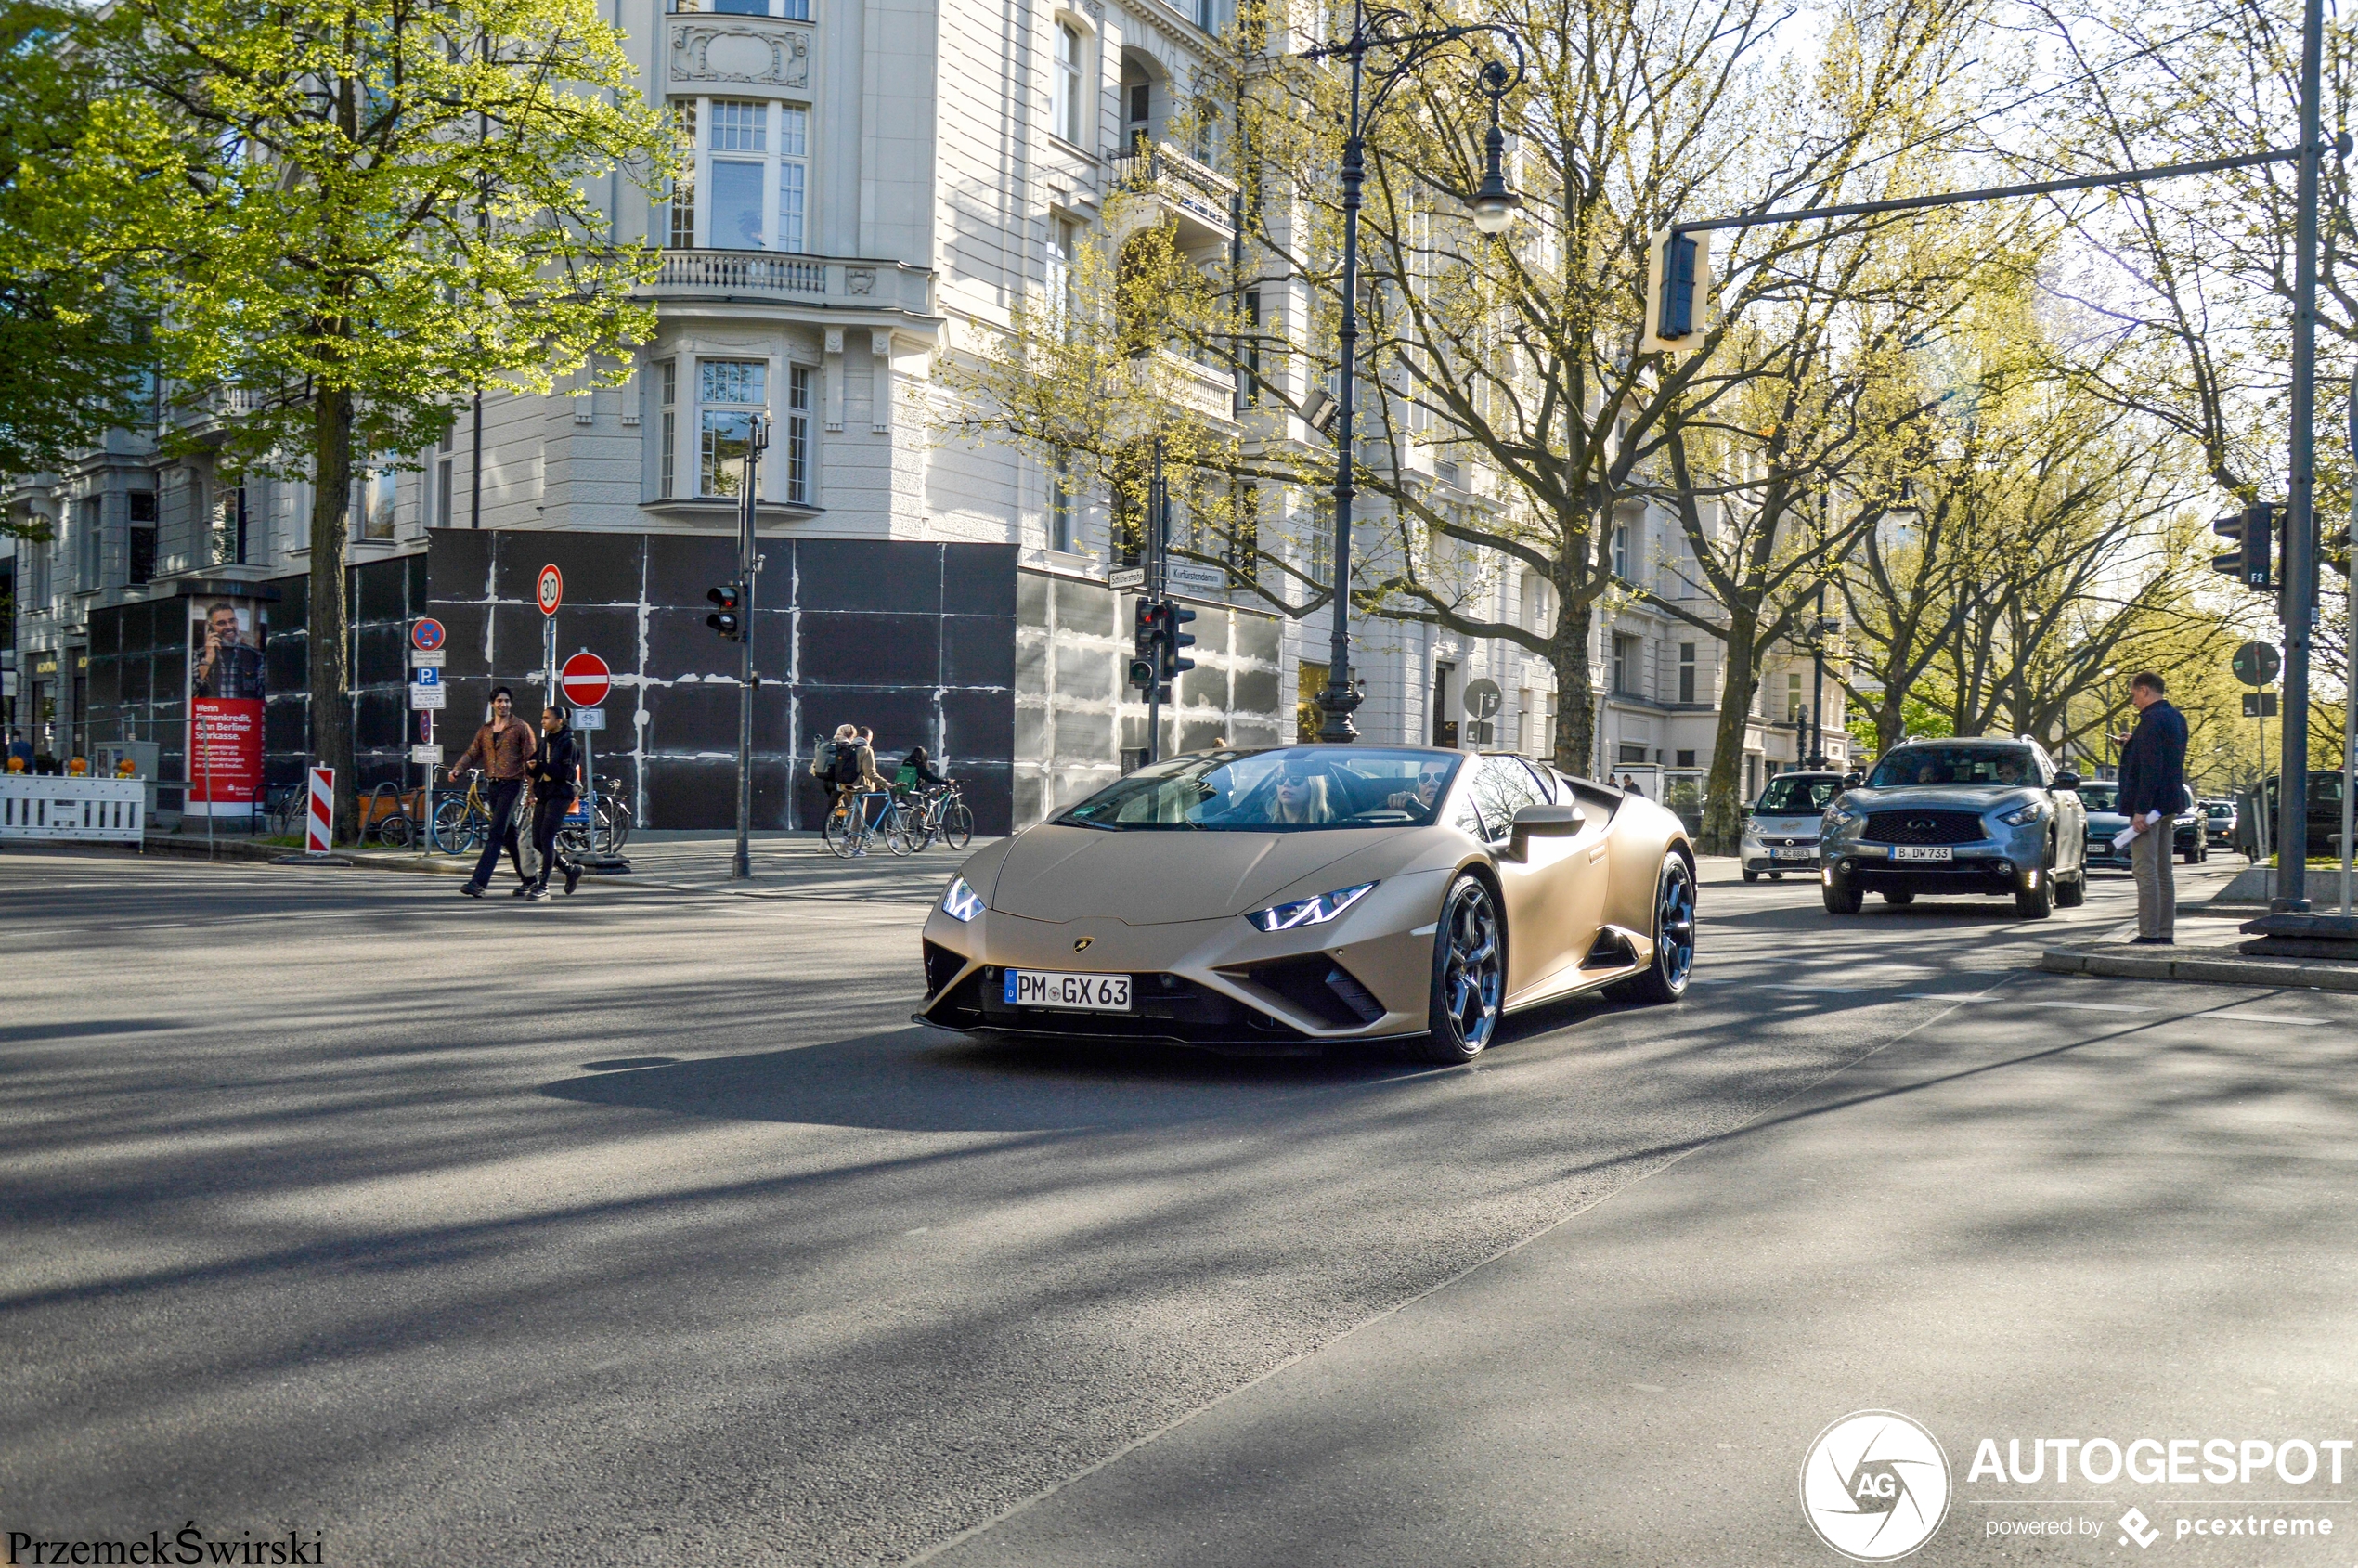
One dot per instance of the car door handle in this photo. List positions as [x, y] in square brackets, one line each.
[1597, 854]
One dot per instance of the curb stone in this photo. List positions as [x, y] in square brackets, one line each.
[2217, 966]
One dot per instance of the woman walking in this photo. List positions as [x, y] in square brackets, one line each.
[556, 780]
[502, 747]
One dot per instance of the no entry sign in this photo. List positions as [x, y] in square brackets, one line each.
[552, 590]
[586, 681]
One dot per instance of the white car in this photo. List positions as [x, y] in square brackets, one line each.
[1780, 828]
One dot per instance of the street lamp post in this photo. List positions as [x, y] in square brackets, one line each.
[1494, 208]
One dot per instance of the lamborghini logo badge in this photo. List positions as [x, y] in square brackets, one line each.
[1083, 945]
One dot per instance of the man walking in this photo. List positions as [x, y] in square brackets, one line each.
[2153, 791]
[502, 747]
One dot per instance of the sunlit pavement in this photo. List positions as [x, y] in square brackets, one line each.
[643, 1226]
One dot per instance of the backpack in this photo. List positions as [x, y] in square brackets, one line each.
[822, 760]
[845, 769]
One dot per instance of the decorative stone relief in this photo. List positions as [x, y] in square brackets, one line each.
[779, 58]
[880, 402]
[859, 280]
[834, 372]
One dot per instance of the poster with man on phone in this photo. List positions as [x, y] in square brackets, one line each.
[224, 707]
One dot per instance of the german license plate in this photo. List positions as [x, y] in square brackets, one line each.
[1079, 994]
[1921, 852]
[1801, 854]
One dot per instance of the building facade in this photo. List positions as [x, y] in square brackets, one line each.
[869, 179]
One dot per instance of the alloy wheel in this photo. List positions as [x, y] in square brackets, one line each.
[1474, 972]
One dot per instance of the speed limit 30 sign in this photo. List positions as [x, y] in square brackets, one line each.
[551, 589]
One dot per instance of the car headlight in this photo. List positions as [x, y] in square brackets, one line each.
[1837, 815]
[2023, 816]
[961, 902]
[1309, 912]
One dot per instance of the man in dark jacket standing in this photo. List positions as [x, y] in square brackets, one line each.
[2153, 791]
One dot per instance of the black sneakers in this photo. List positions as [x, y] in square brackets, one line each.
[537, 895]
[573, 876]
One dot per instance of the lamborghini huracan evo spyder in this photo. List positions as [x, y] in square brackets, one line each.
[1310, 895]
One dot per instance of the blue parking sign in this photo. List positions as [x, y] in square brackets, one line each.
[426, 675]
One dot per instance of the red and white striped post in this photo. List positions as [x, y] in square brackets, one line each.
[320, 829]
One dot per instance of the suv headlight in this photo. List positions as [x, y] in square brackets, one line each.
[1837, 814]
[1309, 912]
[2023, 816]
[961, 902]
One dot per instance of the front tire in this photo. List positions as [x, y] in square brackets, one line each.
[2037, 903]
[1752, 876]
[1469, 976]
[1842, 900]
[1674, 960]
[1901, 895]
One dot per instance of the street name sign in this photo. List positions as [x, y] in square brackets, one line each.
[1126, 577]
[1195, 575]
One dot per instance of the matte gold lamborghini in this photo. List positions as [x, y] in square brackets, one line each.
[1309, 895]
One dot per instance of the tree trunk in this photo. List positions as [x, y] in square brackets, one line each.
[1891, 722]
[1575, 690]
[330, 636]
[1723, 819]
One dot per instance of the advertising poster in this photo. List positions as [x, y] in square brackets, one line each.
[224, 707]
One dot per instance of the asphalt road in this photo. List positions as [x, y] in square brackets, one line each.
[642, 1227]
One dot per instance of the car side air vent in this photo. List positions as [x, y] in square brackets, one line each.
[1610, 950]
[1345, 985]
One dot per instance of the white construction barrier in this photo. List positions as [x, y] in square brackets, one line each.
[38, 806]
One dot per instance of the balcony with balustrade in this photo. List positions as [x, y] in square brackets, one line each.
[1192, 196]
[772, 278]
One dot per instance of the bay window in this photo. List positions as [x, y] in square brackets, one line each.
[798, 432]
[729, 392]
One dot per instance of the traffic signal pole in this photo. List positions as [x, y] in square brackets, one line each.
[748, 567]
[2298, 599]
[1156, 523]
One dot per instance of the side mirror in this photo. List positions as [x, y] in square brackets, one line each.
[1543, 822]
[1852, 781]
[2066, 780]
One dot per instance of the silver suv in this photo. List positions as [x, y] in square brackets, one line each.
[1958, 816]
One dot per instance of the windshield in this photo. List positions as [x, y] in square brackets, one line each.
[1963, 766]
[1299, 788]
[2099, 797]
[1791, 796]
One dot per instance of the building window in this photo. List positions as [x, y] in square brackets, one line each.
[1686, 758]
[1064, 236]
[667, 460]
[1620, 551]
[88, 537]
[1064, 87]
[143, 536]
[729, 393]
[1060, 503]
[1793, 696]
[1322, 543]
[752, 166]
[683, 189]
[1139, 103]
[1624, 667]
[379, 484]
[792, 10]
[1244, 534]
[1686, 672]
[442, 500]
[798, 434]
[793, 172]
[1252, 348]
[1632, 751]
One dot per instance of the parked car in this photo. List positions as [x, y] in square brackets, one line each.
[2189, 837]
[1958, 816]
[2325, 817]
[1780, 828]
[2219, 822]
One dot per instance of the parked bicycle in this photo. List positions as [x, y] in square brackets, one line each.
[942, 814]
[461, 823]
[601, 825]
[851, 827]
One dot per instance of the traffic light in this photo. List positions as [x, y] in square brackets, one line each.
[1174, 617]
[2253, 561]
[1143, 632]
[728, 618]
[1677, 291]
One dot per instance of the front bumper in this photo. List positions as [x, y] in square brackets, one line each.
[1779, 853]
[2007, 864]
[1220, 983]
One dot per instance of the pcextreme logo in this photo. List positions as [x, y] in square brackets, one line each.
[1875, 1486]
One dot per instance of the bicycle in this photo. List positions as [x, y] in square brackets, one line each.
[384, 815]
[282, 809]
[848, 830]
[461, 823]
[606, 824]
[941, 813]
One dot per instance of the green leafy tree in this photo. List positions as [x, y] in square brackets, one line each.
[75, 345]
[351, 213]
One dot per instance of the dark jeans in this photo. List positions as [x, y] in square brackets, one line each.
[545, 825]
[504, 795]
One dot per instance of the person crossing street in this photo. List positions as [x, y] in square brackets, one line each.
[502, 747]
[556, 782]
